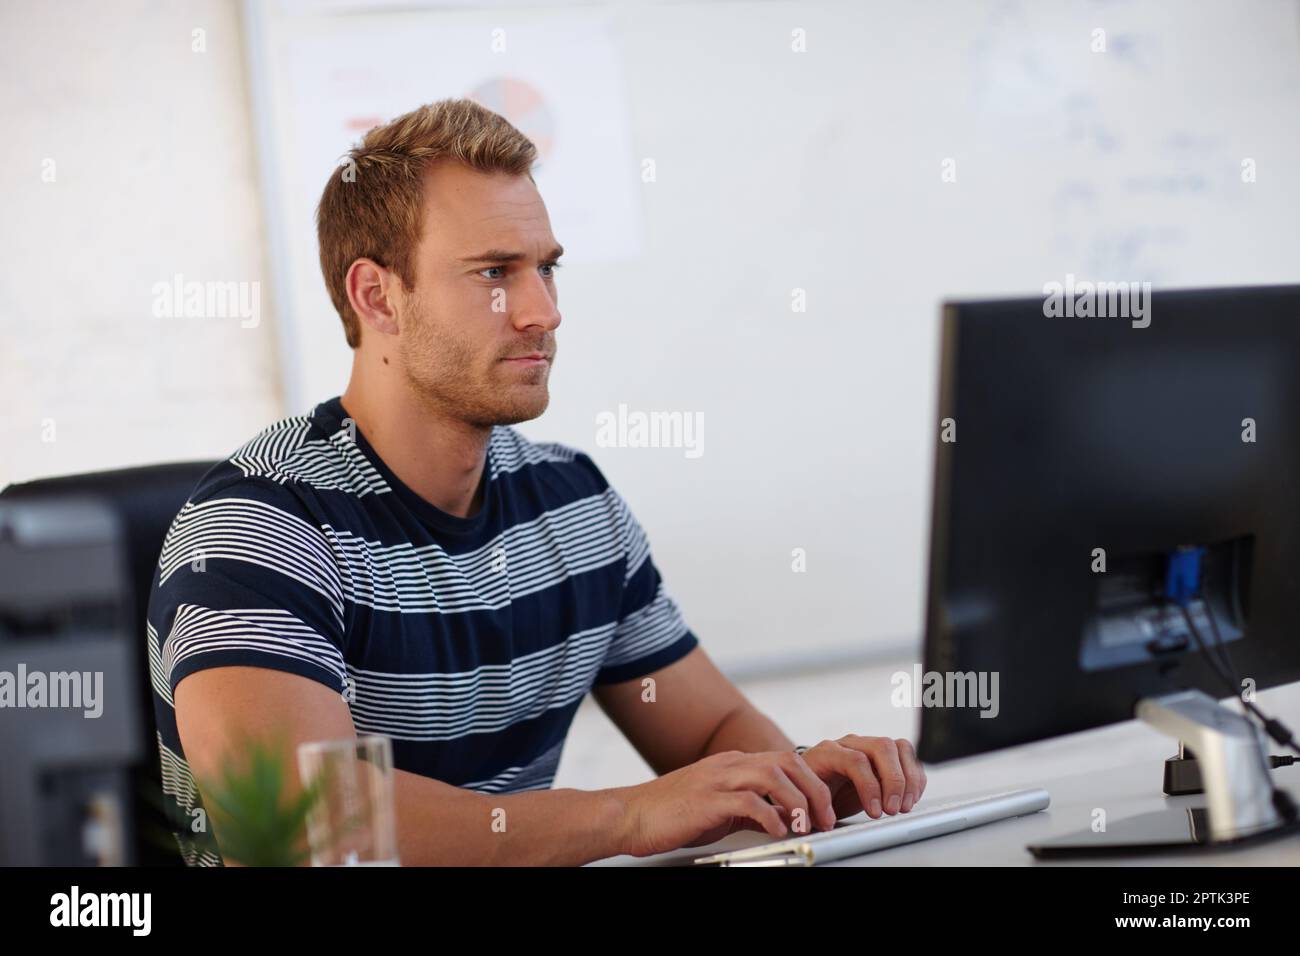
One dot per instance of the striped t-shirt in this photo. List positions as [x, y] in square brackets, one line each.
[470, 642]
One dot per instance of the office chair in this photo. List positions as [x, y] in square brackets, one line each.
[144, 500]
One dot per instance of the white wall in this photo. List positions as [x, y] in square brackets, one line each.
[775, 170]
[821, 171]
[154, 175]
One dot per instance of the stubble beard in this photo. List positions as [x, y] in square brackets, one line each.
[447, 376]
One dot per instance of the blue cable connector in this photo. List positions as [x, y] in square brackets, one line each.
[1183, 577]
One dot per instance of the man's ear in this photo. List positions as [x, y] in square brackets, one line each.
[371, 288]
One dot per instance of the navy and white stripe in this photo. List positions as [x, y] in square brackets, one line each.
[468, 641]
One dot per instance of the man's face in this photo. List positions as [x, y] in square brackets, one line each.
[484, 296]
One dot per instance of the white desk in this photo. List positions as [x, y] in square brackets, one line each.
[1118, 768]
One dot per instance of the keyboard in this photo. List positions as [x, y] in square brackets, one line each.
[853, 839]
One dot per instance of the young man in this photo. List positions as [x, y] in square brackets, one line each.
[402, 562]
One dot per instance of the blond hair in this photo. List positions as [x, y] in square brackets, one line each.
[371, 206]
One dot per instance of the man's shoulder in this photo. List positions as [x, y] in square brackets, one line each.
[260, 506]
[513, 452]
[289, 459]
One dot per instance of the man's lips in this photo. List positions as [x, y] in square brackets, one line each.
[531, 357]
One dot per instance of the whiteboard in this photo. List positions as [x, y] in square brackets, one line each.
[867, 160]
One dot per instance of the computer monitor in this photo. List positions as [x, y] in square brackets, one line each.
[1087, 467]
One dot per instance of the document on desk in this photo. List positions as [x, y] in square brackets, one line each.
[858, 838]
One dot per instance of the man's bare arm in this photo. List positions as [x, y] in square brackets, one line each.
[219, 709]
[748, 730]
[695, 711]
[441, 825]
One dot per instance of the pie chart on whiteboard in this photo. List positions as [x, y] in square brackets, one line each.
[526, 109]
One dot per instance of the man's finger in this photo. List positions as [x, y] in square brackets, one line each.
[889, 771]
[913, 770]
[856, 766]
[747, 804]
[814, 788]
[763, 775]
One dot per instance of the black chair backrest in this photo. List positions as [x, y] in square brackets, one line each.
[145, 500]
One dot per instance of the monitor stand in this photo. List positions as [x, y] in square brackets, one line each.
[1232, 758]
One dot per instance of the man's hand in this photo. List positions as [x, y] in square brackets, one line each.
[876, 774]
[704, 801]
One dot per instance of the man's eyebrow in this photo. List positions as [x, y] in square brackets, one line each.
[503, 255]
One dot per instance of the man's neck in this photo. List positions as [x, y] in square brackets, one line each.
[440, 459]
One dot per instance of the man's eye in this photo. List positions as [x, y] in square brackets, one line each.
[500, 269]
[551, 266]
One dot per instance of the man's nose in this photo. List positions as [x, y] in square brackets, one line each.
[534, 304]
